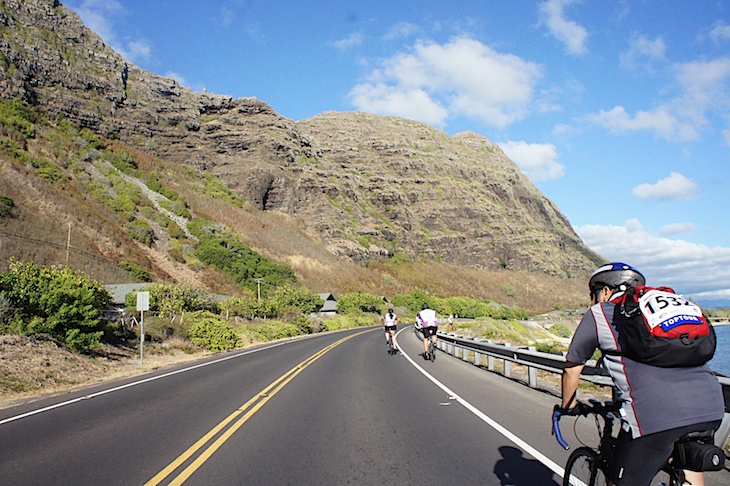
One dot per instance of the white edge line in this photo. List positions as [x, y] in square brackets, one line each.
[488, 420]
[135, 383]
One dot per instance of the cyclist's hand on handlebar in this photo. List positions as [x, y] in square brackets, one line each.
[579, 409]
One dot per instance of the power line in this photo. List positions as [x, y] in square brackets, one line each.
[58, 246]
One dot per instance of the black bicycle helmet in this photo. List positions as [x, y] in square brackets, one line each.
[615, 275]
[424, 306]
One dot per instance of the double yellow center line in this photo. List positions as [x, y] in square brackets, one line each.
[243, 413]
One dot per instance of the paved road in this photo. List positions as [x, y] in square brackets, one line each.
[329, 409]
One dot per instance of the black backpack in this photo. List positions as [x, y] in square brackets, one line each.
[664, 329]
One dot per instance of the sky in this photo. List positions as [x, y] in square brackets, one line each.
[619, 112]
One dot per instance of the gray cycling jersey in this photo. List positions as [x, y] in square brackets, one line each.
[654, 399]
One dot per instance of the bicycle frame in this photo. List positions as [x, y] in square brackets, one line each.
[607, 440]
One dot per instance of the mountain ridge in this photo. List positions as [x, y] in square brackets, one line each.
[364, 190]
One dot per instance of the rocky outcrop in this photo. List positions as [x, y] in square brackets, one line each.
[368, 186]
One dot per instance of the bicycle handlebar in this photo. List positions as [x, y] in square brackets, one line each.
[605, 410]
[557, 412]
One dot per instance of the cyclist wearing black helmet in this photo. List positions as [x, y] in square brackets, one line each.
[658, 405]
[429, 323]
[390, 323]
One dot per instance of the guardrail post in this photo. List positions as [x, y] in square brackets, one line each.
[532, 372]
[507, 364]
[490, 359]
[477, 358]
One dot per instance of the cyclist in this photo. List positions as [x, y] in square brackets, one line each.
[658, 405]
[390, 321]
[429, 324]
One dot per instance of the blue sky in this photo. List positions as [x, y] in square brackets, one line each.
[618, 111]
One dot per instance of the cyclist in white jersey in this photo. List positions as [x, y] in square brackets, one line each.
[429, 323]
[390, 322]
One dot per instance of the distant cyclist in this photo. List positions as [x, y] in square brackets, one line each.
[390, 322]
[658, 405]
[429, 324]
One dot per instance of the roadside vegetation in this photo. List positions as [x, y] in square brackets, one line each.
[64, 306]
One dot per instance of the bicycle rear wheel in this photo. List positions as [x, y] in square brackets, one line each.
[581, 469]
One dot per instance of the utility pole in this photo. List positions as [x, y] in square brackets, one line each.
[258, 293]
[68, 241]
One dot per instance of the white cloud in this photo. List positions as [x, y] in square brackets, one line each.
[677, 228]
[570, 33]
[643, 49]
[460, 78]
[99, 15]
[537, 160]
[352, 40]
[177, 77]
[720, 32]
[412, 103]
[401, 30]
[676, 187]
[689, 268]
[703, 90]
[660, 121]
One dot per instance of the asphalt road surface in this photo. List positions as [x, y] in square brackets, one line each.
[329, 409]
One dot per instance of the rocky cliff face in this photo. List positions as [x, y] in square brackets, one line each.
[369, 187]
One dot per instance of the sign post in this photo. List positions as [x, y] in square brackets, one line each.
[143, 304]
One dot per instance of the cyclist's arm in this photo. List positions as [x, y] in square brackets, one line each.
[570, 380]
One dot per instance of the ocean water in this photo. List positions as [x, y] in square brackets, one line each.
[720, 363]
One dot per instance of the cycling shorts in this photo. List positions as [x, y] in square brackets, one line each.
[430, 331]
[390, 328]
[636, 461]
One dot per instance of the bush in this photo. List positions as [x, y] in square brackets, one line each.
[273, 330]
[137, 272]
[19, 116]
[172, 300]
[214, 334]
[55, 300]
[219, 247]
[561, 330]
[552, 348]
[357, 303]
[140, 230]
[6, 206]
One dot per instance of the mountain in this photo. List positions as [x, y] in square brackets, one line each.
[349, 201]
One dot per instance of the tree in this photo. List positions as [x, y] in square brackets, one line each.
[55, 300]
[357, 302]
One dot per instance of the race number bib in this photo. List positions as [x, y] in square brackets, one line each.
[668, 310]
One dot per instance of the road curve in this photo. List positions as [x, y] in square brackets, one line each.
[332, 408]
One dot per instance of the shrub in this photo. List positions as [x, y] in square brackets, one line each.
[55, 300]
[561, 330]
[412, 301]
[6, 206]
[552, 348]
[18, 115]
[357, 302]
[141, 231]
[219, 247]
[172, 300]
[214, 334]
[137, 272]
[273, 330]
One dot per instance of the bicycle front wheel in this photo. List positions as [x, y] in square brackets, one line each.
[582, 469]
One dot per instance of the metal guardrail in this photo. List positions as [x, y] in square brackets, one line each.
[482, 352]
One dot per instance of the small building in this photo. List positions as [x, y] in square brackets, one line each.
[330, 304]
[119, 292]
